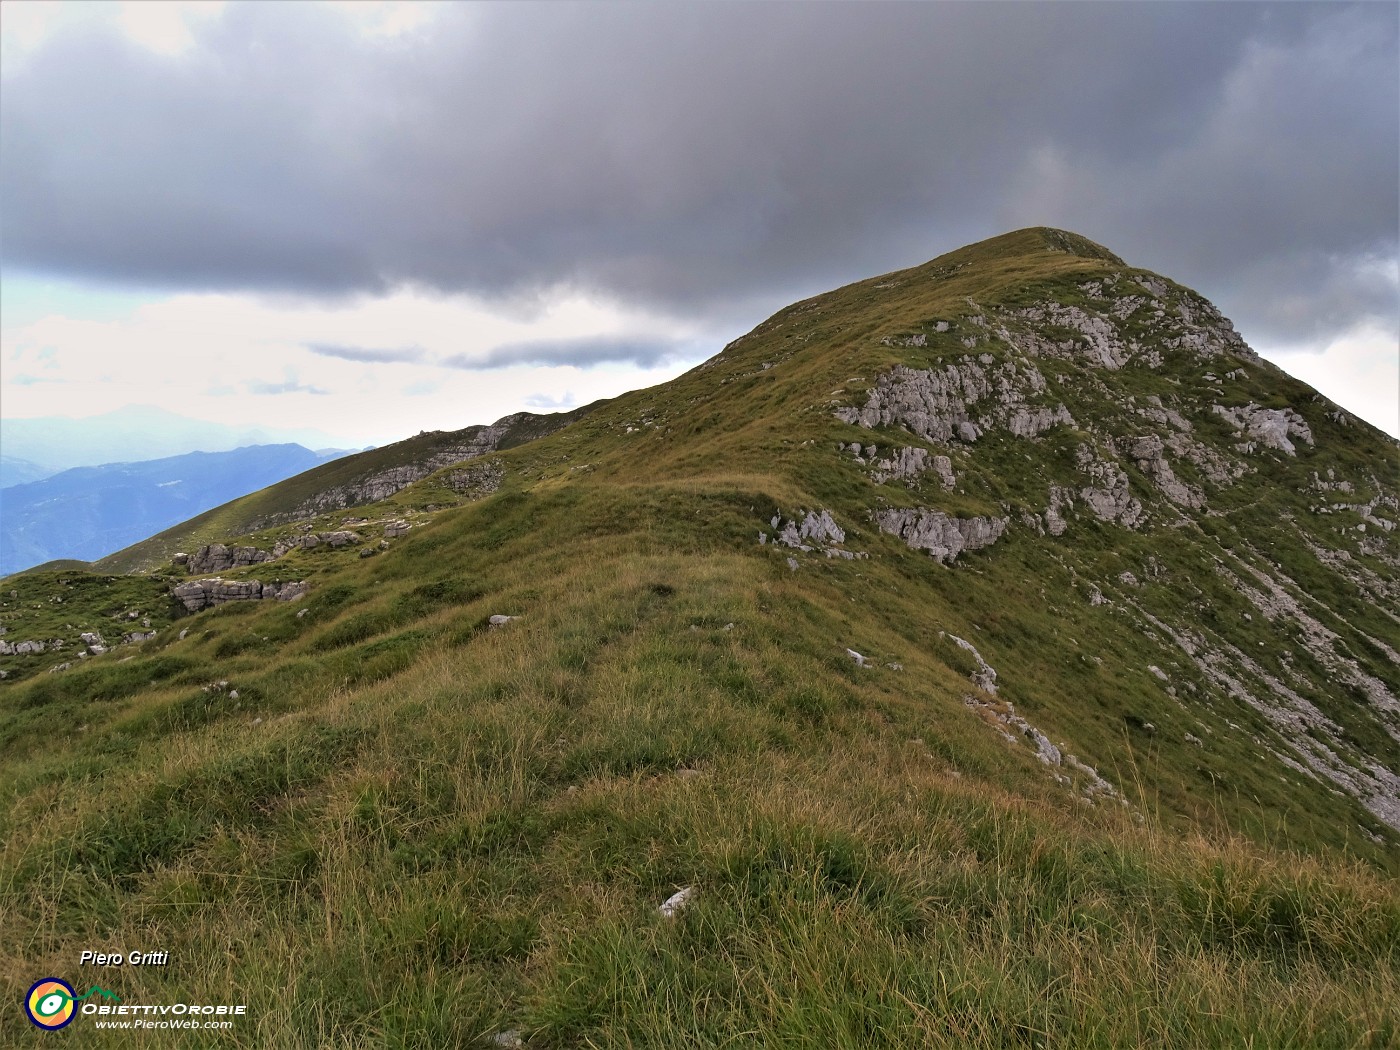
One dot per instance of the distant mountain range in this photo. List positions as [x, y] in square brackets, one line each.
[41, 446]
[16, 471]
[87, 512]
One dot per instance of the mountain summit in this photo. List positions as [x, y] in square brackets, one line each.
[994, 652]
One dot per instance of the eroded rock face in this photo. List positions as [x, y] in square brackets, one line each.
[195, 595]
[1270, 427]
[943, 536]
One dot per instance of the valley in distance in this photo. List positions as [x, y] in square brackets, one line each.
[992, 653]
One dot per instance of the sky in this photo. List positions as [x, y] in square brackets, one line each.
[374, 219]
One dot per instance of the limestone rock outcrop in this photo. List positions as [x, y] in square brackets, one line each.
[195, 595]
[943, 536]
[1107, 492]
[816, 530]
[1148, 453]
[1270, 427]
[216, 557]
[903, 464]
[21, 648]
[937, 404]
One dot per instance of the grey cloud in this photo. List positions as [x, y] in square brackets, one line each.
[715, 161]
[369, 355]
[258, 386]
[581, 353]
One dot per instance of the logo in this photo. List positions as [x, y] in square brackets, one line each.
[51, 1003]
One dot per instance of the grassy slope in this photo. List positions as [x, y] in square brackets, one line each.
[412, 829]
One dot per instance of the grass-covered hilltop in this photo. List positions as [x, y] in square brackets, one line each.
[998, 653]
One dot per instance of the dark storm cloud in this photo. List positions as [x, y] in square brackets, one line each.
[713, 161]
[581, 353]
[369, 355]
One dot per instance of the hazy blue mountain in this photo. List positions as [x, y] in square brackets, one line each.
[139, 432]
[16, 471]
[87, 512]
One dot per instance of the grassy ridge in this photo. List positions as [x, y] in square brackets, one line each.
[285, 498]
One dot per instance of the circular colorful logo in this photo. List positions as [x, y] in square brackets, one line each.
[50, 1003]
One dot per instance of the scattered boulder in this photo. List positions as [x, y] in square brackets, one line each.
[678, 900]
[500, 619]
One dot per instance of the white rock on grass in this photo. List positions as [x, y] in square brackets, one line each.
[678, 900]
[500, 620]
